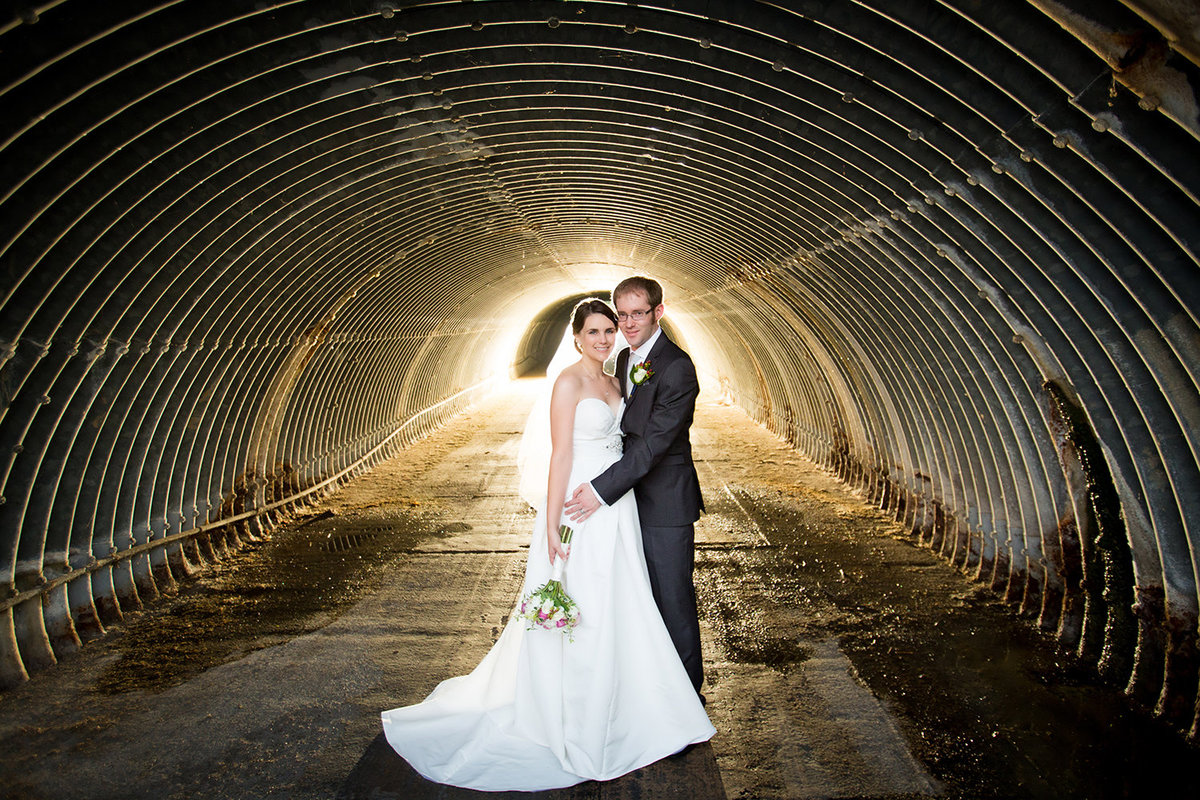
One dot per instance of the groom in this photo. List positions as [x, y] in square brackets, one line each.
[659, 382]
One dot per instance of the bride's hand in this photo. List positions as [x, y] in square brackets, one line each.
[555, 546]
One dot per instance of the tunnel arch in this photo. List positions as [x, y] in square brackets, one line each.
[947, 249]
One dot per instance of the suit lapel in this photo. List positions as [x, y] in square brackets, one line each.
[655, 352]
[623, 370]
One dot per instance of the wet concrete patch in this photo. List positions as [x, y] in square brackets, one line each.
[796, 720]
[738, 605]
[269, 592]
[991, 706]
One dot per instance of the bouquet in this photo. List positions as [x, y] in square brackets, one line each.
[549, 606]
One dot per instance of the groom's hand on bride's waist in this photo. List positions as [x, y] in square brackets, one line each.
[581, 504]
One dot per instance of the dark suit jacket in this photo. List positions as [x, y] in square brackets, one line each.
[657, 462]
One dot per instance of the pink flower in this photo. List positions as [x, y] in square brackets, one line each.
[561, 623]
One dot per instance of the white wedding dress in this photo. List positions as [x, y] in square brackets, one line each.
[543, 712]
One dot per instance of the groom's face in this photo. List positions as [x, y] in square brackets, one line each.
[638, 320]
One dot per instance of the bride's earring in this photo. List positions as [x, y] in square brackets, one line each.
[578, 349]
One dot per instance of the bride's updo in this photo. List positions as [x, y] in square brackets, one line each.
[588, 306]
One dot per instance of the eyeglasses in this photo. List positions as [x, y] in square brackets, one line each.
[636, 316]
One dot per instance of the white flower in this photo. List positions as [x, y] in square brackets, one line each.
[640, 373]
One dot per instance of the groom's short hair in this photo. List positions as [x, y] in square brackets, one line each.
[644, 285]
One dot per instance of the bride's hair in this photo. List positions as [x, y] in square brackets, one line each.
[588, 306]
[584, 309]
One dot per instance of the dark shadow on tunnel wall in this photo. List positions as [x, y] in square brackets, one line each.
[544, 334]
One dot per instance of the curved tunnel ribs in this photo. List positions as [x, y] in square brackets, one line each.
[947, 250]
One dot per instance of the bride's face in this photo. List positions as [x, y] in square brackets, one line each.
[597, 338]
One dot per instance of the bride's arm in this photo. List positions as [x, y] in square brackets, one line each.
[563, 400]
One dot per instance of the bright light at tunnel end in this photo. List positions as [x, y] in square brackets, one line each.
[597, 279]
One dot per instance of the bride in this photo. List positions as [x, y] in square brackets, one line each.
[544, 710]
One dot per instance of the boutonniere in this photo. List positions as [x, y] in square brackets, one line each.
[640, 373]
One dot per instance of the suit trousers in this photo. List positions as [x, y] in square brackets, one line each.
[671, 559]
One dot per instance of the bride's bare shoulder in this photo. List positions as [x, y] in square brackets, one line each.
[568, 386]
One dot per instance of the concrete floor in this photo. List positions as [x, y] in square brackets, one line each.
[842, 660]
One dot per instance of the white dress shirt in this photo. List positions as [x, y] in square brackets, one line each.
[638, 356]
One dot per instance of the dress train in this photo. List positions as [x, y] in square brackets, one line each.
[541, 711]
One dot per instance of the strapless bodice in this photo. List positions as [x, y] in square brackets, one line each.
[597, 434]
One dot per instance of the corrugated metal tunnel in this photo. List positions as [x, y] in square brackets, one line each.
[947, 249]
